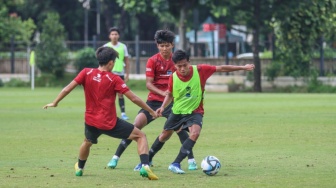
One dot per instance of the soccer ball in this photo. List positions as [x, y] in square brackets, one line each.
[210, 165]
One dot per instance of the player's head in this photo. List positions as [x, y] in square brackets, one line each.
[165, 41]
[105, 54]
[181, 60]
[114, 34]
[164, 36]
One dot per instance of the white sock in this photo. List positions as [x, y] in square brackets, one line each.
[191, 160]
[115, 157]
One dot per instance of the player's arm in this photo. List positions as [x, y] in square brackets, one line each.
[127, 65]
[127, 68]
[231, 68]
[168, 99]
[150, 86]
[136, 100]
[65, 91]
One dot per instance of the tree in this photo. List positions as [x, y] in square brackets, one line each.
[11, 24]
[299, 25]
[51, 53]
[255, 15]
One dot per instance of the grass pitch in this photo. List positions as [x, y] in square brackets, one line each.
[262, 140]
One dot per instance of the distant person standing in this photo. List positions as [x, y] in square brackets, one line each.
[121, 67]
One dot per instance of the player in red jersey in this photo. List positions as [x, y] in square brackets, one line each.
[100, 88]
[158, 69]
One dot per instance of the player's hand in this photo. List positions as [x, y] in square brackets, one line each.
[126, 78]
[249, 67]
[159, 111]
[165, 93]
[154, 114]
[49, 105]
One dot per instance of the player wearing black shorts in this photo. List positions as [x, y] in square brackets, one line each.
[186, 88]
[158, 69]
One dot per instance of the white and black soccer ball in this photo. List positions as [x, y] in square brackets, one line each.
[210, 165]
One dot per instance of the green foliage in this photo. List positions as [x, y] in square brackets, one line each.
[85, 57]
[273, 70]
[12, 25]
[297, 28]
[51, 54]
[50, 80]
[14, 82]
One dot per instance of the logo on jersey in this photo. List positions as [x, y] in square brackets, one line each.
[97, 78]
[148, 69]
[123, 86]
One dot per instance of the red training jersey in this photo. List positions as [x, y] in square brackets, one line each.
[159, 69]
[205, 71]
[100, 89]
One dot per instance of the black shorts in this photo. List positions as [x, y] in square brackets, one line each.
[155, 105]
[122, 130]
[122, 77]
[176, 121]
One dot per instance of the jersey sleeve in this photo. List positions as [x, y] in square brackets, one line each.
[150, 69]
[205, 72]
[80, 78]
[120, 85]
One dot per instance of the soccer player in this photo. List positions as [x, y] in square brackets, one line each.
[121, 67]
[158, 69]
[100, 89]
[186, 88]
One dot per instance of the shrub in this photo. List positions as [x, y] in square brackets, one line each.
[85, 58]
[14, 82]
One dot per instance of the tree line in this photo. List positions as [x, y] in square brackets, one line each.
[295, 27]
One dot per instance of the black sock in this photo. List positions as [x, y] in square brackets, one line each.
[185, 150]
[144, 159]
[122, 105]
[122, 147]
[157, 145]
[183, 135]
[81, 163]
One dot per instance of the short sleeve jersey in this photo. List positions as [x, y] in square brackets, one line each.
[100, 88]
[159, 69]
[205, 71]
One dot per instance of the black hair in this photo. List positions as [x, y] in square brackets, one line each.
[164, 36]
[106, 54]
[179, 55]
[114, 29]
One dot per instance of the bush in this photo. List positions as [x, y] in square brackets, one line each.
[14, 82]
[50, 80]
[85, 58]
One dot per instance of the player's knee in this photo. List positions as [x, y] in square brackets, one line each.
[165, 135]
[194, 135]
[87, 143]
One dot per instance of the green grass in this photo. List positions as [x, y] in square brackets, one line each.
[262, 140]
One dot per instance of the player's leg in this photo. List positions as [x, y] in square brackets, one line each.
[194, 122]
[91, 137]
[140, 121]
[171, 124]
[122, 103]
[183, 135]
[124, 130]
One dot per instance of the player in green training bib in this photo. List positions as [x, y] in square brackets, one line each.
[186, 88]
[121, 66]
